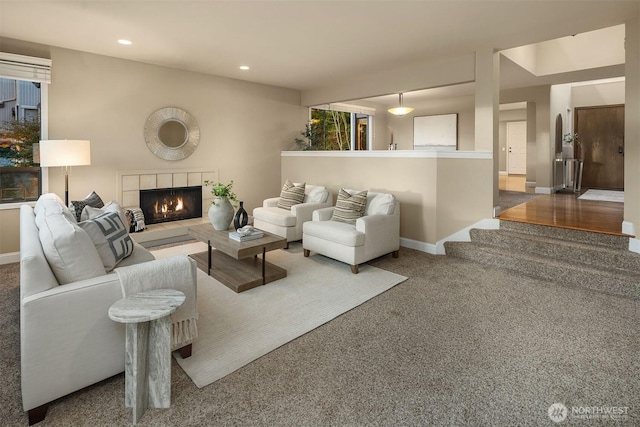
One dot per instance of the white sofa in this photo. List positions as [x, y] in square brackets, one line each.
[375, 234]
[67, 341]
[287, 223]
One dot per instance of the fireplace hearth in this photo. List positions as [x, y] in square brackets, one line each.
[171, 204]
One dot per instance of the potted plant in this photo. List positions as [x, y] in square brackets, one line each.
[570, 141]
[221, 209]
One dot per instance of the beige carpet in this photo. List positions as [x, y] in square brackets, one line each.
[236, 329]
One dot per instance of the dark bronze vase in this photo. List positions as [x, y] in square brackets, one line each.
[241, 218]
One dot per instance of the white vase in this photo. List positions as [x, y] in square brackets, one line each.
[220, 213]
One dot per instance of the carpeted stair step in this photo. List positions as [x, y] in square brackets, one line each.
[570, 252]
[590, 238]
[626, 284]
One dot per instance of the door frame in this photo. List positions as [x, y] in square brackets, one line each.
[575, 127]
[507, 145]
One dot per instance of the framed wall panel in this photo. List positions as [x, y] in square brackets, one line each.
[439, 132]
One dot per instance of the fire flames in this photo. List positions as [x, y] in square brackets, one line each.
[173, 205]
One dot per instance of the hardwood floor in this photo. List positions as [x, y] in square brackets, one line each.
[514, 183]
[563, 210]
[567, 211]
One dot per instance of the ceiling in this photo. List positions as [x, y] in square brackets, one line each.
[303, 44]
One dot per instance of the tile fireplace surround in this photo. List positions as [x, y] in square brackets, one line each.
[131, 182]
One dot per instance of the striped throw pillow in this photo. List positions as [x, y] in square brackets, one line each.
[349, 207]
[291, 195]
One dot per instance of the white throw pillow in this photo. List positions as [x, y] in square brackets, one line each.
[316, 195]
[51, 203]
[381, 204]
[67, 247]
[90, 212]
[110, 237]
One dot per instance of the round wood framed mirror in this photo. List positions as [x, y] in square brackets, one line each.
[171, 133]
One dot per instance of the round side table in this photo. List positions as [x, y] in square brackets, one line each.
[148, 347]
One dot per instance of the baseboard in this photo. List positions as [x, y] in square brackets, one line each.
[419, 246]
[9, 258]
[634, 244]
[464, 236]
[530, 184]
[460, 236]
[543, 190]
[496, 211]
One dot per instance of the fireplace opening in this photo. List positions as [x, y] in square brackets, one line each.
[171, 204]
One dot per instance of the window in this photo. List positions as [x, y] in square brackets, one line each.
[337, 127]
[23, 87]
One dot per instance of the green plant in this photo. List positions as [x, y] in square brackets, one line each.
[18, 137]
[222, 190]
[568, 138]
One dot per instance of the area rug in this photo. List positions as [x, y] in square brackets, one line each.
[603, 195]
[236, 329]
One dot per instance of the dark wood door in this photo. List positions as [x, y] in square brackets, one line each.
[601, 144]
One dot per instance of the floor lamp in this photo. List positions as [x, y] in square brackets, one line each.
[65, 153]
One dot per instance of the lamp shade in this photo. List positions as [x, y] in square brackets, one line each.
[65, 152]
[400, 110]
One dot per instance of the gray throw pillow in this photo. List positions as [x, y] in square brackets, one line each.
[76, 206]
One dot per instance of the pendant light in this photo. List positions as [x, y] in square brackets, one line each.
[400, 110]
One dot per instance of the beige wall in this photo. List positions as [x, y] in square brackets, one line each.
[464, 190]
[404, 78]
[243, 126]
[543, 151]
[439, 196]
[597, 94]
[9, 230]
[462, 105]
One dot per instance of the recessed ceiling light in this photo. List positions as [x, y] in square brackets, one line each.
[244, 67]
[124, 41]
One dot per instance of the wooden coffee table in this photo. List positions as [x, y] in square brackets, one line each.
[236, 264]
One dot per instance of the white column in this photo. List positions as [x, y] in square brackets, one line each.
[487, 109]
[532, 148]
[631, 224]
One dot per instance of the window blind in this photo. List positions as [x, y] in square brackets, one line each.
[347, 108]
[28, 68]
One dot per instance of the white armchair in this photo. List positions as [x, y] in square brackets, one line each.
[375, 234]
[287, 223]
